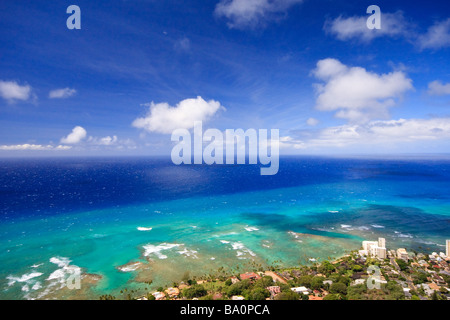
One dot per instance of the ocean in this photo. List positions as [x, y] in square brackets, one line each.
[128, 221]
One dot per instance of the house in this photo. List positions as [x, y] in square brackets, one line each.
[234, 280]
[358, 281]
[329, 282]
[426, 288]
[237, 298]
[250, 276]
[302, 290]
[286, 275]
[217, 296]
[274, 290]
[159, 295]
[408, 294]
[311, 297]
[434, 286]
[173, 292]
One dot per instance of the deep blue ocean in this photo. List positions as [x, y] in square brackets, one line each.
[125, 221]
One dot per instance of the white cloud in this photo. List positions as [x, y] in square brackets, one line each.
[437, 88]
[11, 91]
[355, 93]
[252, 13]
[437, 36]
[312, 122]
[183, 44]
[374, 133]
[76, 136]
[163, 118]
[33, 147]
[392, 25]
[62, 93]
[105, 141]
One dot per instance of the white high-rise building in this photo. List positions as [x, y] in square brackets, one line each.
[447, 247]
[382, 242]
[374, 248]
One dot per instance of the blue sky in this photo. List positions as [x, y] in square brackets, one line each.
[309, 68]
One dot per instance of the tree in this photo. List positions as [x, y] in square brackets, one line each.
[326, 267]
[332, 297]
[338, 287]
[195, 291]
[238, 287]
[287, 295]
[259, 294]
[402, 264]
[264, 282]
[317, 283]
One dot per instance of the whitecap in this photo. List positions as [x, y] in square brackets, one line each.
[24, 278]
[250, 229]
[156, 250]
[144, 229]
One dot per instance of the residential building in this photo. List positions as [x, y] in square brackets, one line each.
[274, 290]
[302, 290]
[374, 248]
[402, 254]
[249, 275]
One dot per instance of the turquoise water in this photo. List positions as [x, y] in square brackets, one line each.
[283, 225]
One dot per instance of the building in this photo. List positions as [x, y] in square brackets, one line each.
[234, 280]
[378, 252]
[447, 248]
[374, 248]
[173, 292]
[250, 276]
[402, 254]
[159, 295]
[274, 290]
[302, 290]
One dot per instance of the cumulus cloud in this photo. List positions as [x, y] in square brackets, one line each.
[437, 88]
[163, 118]
[76, 136]
[372, 133]
[437, 36]
[355, 93]
[11, 91]
[243, 14]
[392, 25]
[61, 93]
[38, 147]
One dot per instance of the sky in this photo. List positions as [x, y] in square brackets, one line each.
[137, 70]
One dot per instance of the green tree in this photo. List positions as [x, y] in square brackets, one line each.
[332, 297]
[317, 283]
[287, 295]
[259, 294]
[338, 287]
[194, 291]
